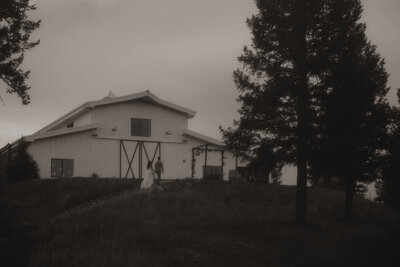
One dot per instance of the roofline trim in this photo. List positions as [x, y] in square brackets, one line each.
[107, 101]
[65, 131]
[75, 112]
[203, 137]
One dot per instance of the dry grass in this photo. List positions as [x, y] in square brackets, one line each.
[26, 205]
[219, 224]
[42, 199]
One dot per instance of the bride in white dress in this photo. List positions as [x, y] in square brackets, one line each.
[148, 180]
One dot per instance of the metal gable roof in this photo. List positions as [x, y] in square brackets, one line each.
[147, 95]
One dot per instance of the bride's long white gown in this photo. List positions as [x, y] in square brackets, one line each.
[148, 180]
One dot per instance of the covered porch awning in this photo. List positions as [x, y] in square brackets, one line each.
[206, 148]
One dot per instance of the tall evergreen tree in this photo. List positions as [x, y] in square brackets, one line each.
[355, 117]
[15, 29]
[276, 88]
[310, 82]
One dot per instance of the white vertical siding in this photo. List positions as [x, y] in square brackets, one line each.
[89, 154]
[84, 119]
[102, 156]
[119, 115]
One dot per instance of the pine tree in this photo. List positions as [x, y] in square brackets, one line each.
[15, 29]
[312, 88]
[355, 116]
[276, 92]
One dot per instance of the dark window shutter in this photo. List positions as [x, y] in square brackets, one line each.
[146, 129]
[140, 127]
[135, 127]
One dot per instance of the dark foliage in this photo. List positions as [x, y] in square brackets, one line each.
[15, 29]
[312, 93]
[389, 184]
[275, 119]
[264, 165]
[354, 122]
[22, 165]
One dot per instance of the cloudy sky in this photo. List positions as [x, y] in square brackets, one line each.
[184, 51]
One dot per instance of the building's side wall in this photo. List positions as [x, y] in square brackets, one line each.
[119, 115]
[89, 154]
[176, 159]
[102, 156]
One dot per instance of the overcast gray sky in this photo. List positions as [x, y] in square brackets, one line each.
[184, 51]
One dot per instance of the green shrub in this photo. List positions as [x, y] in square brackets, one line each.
[22, 165]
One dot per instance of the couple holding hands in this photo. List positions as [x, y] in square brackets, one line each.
[153, 174]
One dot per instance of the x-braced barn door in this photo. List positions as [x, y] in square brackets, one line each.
[129, 153]
[132, 164]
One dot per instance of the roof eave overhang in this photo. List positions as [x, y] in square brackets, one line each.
[70, 115]
[144, 95]
[204, 138]
[61, 132]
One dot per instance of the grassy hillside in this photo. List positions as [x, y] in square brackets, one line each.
[42, 199]
[27, 206]
[203, 224]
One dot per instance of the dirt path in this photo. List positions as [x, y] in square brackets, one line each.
[88, 206]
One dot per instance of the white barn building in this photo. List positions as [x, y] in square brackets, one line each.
[116, 136]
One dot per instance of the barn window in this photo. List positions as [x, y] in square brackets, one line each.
[70, 125]
[62, 168]
[140, 127]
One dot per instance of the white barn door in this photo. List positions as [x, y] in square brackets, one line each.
[134, 156]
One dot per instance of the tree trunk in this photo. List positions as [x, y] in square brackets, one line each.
[348, 212]
[301, 193]
[300, 62]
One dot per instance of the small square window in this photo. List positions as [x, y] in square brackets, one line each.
[70, 125]
[140, 127]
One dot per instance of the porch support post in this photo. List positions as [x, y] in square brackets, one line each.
[192, 163]
[120, 163]
[222, 164]
[236, 167]
[140, 159]
[205, 162]
[9, 155]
